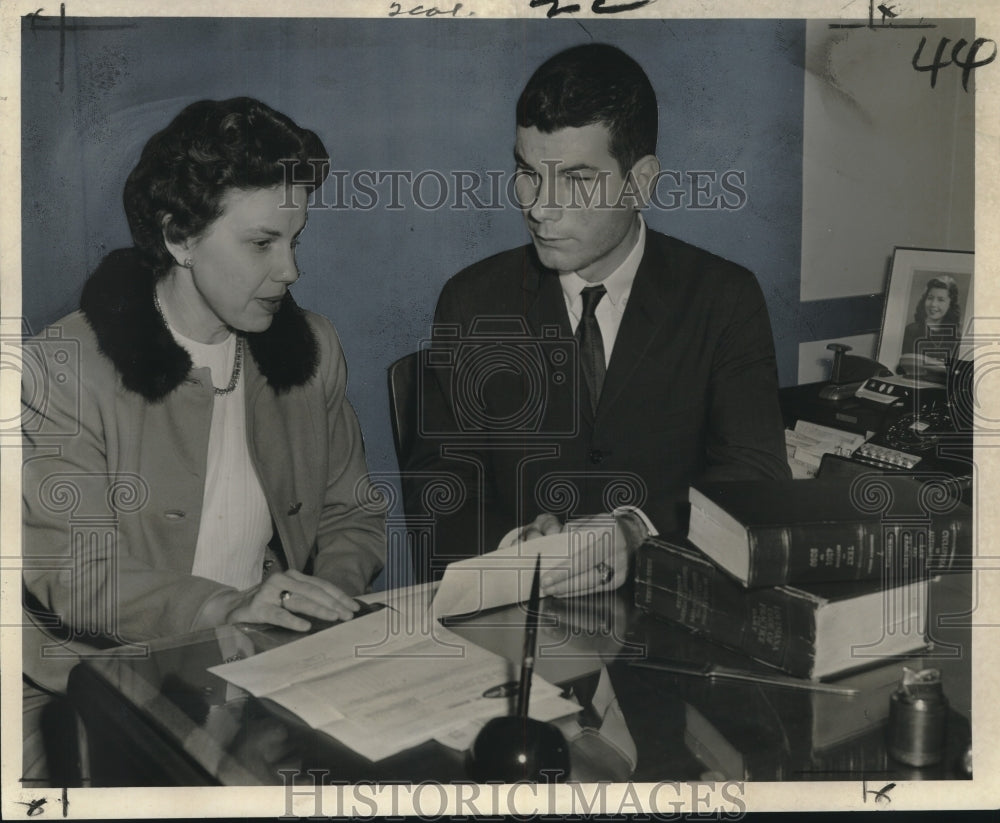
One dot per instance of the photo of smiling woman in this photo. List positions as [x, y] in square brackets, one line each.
[933, 336]
[208, 417]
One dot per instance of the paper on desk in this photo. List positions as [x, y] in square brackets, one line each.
[806, 445]
[837, 440]
[394, 703]
[317, 655]
[501, 577]
[461, 736]
[379, 689]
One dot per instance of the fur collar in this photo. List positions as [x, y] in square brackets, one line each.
[118, 304]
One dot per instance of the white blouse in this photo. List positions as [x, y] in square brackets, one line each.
[235, 522]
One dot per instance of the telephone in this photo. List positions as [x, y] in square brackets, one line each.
[927, 430]
[909, 440]
[911, 424]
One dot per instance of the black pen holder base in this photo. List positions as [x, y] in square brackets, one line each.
[512, 749]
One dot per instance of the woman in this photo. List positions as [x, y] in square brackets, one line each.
[933, 335]
[207, 426]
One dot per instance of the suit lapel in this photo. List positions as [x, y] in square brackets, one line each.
[544, 303]
[545, 307]
[644, 315]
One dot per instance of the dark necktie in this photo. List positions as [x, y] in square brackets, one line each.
[588, 333]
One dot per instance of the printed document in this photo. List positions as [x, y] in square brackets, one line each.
[383, 683]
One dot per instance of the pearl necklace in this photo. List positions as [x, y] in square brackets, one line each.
[237, 361]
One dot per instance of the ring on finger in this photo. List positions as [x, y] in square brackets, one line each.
[283, 597]
[606, 573]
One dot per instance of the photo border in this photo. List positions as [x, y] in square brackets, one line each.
[982, 793]
[900, 287]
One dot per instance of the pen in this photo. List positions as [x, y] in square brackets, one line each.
[530, 632]
[714, 672]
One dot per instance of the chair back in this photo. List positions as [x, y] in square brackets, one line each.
[403, 405]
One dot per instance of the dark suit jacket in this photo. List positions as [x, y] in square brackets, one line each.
[690, 392]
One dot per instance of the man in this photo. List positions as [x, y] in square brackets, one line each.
[548, 398]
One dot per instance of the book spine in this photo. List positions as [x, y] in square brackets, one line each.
[769, 625]
[866, 550]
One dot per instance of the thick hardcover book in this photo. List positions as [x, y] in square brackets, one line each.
[871, 527]
[810, 631]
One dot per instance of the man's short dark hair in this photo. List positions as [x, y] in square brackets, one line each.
[589, 84]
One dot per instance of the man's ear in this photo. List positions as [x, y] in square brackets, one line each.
[179, 249]
[644, 172]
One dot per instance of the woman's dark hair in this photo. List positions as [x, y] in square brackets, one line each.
[589, 84]
[953, 316]
[210, 148]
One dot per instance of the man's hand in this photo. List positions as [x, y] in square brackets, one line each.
[284, 595]
[590, 569]
[599, 562]
[595, 565]
[541, 526]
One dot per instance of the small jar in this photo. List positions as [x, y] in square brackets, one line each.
[918, 718]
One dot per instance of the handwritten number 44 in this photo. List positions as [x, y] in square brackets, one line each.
[597, 6]
[967, 65]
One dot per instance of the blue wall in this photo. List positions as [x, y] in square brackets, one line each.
[410, 96]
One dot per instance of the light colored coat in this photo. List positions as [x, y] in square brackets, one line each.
[114, 476]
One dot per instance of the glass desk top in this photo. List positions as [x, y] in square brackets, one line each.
[160, 718]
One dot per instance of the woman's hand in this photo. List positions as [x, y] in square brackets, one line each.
[303, 595]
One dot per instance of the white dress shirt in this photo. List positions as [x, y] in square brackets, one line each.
[618, 285]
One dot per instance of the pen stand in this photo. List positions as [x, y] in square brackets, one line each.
[512, 749]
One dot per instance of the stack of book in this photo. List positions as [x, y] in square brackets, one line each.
[813, 577]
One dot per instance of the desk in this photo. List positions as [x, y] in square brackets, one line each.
[164, 720]
[850, 414]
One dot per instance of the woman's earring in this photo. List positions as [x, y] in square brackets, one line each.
[188, 263]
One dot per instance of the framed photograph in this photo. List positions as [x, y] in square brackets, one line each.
[928, 306]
